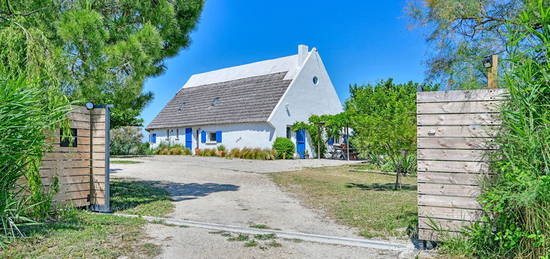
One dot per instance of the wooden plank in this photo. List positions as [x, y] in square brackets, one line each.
[98, 111]
[99, 141]
[457, 143]
[428, 234]
[69, 179]
[66, 172]
[443, 224]
[453, 166]
[79, 125]
[458, 119]
[79, 148]
[450, 178]
[453, 202]
[449, 190]
[65, 156]
[65, 164]
[75, 187]
[452, 154]
[98, 163]
[79, 109]
[450, 213]
[63, 196]
[470, 95]
[98, 148]
[459, 107]
[77, 116]
[473, 131]
[98, 126]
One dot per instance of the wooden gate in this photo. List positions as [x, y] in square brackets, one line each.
[81, 166]
[455, 134]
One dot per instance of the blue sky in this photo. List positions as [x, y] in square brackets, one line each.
[359, 41]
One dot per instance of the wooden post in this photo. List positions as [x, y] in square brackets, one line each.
[347, 140]
[492, 73]
[319, 142]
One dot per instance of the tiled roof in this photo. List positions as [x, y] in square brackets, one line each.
[243, 100]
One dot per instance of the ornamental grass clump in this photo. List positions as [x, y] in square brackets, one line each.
[28, 115]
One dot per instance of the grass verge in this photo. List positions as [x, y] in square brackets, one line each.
[366, 201]
[125, 162]
[79, 233]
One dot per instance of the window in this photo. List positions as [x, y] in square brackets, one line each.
[288, 132]
[182, 106]
[212, 137]
[215, 101]
[315, 80]
[70, 141]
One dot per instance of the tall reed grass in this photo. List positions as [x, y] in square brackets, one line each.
[517, 199]
[27, 113]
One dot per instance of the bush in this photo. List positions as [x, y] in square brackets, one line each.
[27, 114]
[284, 148]
[164, 149]
[221, 148]
[127, 141]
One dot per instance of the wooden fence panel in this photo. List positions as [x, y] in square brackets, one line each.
[455, 133]
[82, 171]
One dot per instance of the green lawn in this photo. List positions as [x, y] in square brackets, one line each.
[366, 201]
[125, 162]
[79, 233]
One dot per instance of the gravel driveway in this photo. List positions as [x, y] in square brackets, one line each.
[236, 192]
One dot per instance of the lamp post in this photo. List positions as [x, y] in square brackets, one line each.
[491, 64]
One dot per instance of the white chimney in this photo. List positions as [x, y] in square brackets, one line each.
[302, 54]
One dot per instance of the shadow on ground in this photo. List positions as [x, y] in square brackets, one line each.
[191, 191]
[380, 187]
[129, 193]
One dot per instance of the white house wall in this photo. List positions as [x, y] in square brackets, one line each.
[303, 99]
[250, 135]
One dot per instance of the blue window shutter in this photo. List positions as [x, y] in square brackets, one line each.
[154, 138]
[331, 141]
[219, 136]
[203, 136]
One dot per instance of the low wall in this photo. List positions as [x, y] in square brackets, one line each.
[81, 167]
[455, 134]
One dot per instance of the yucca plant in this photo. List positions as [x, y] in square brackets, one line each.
[27, 114]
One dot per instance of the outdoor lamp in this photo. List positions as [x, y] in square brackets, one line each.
[89, 106]
[488, 62]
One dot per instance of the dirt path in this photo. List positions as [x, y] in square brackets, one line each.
[226, 191]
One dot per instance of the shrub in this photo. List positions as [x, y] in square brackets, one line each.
[164, 149]
[127, 141]
[221, 148]
[284, 148]
[27, 114]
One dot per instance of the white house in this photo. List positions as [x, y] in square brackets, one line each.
[248, 105]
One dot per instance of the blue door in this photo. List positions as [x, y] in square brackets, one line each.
[154, 138]
[301, 142]
[189, 138]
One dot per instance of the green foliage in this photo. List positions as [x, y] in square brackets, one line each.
[177, 149]
[462, 33]
[100, 51]
[284, 148]
[517, 199]
[127, 141]
[27, 113]
[331, 126]
[383, 118]
[221, 148]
